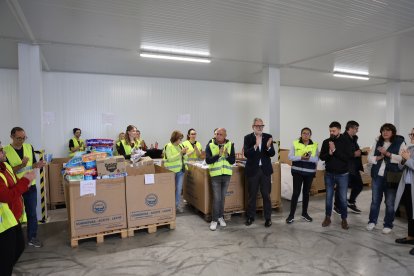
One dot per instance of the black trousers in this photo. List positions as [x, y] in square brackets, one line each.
[407, 201]
[262, 181]
[298, 179]
[356, 185]
[11, 247]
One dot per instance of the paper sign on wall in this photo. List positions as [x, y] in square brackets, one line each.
[87, 187]
[48, 118]
[108, 118]
[184, 119]
[149, 179]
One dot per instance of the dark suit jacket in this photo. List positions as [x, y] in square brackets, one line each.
[253, 156]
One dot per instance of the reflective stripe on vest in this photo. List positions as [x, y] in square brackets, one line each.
[221, 166]
[76, 144]
[300, 150]
[7, 219]
[174, 166]
[193, 156]
[14, 159]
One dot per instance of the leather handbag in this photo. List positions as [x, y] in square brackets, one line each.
[393, 179]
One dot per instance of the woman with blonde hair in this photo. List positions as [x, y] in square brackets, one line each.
[130, 142]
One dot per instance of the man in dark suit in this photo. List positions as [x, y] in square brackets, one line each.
[258, 148]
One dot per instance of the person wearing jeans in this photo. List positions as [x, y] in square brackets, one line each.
[21, 157]
[337, 152]
[174, 155]
[219, 156]
[384, 157]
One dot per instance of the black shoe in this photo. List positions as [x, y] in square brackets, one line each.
[353, 208]
[404, 241]
[336, 210]
[268, 223]
[249, 221]
[412, 251]
[307, 217]
[290, 219]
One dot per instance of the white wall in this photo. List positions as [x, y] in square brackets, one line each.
[9, 115]
[155, 104]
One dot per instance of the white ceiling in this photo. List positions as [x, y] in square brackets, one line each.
[304, 38]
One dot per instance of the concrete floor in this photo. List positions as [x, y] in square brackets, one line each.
[301, 248]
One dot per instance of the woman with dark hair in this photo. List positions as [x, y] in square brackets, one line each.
[405, 191]
[174, 156]
[76, 144]
[384, 157]
[194, 152]
[130, 142]
[304, 156]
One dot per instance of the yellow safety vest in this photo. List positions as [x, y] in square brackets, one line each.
[14, 159]
[76, 144]
[128, 148]
[301, 149]
[173, 160]
[7, 219]
[193, 155]
[221, 166]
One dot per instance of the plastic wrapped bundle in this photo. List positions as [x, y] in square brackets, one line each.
[100, 143]
[79, 170]
[136, 154]
[74, 162]
[93, 156]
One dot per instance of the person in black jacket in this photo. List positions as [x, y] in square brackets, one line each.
[337, 152]
[355, 166]
[258, 148]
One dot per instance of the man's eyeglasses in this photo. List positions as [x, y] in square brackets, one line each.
[410, 134]
[193, 133]
[259, 126]
[20, 138]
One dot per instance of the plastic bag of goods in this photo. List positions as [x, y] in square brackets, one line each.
[100, 142]
[104, 150]
[93, 156]
[90, 174]
[74, 162]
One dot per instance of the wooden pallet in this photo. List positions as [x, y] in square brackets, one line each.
[152, 228]
[56, 205]
[99, 236]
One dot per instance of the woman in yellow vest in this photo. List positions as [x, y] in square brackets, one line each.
[174, 160]
[219, 156]
[194, 153]
[304, 156]
[142, 144]
[11, 214]
[130, 142]
[121, 136]
[76, 144]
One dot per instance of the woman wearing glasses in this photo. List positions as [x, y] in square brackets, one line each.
[304, 156]
[194, 153]
[405, 191]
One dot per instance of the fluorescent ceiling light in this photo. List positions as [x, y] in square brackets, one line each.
[350, 76]
[351, 71]
[170, 50]
[174, 57]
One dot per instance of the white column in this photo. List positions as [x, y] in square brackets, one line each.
[31, 93]
[392, 108]
[271, 87]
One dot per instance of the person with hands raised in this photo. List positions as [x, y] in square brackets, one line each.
[21, 157]
[220, 156]
[11, 214]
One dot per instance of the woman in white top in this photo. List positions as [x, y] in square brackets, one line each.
[384, 157]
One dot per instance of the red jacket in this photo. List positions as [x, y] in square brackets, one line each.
[12, 193]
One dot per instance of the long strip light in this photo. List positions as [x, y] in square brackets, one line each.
[170, 50]
[350, 76]
[174, 57]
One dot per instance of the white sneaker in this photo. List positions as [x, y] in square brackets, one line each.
[386, 230]
[370, 226]
[213, 225]
[222, 222]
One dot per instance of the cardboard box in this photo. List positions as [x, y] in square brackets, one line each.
[318, 182]
[197, 190]
[111, 165]
[147, 203]
[55, 189]
[275, 194]
[284, 156]
[96, 214]
[143, 161]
